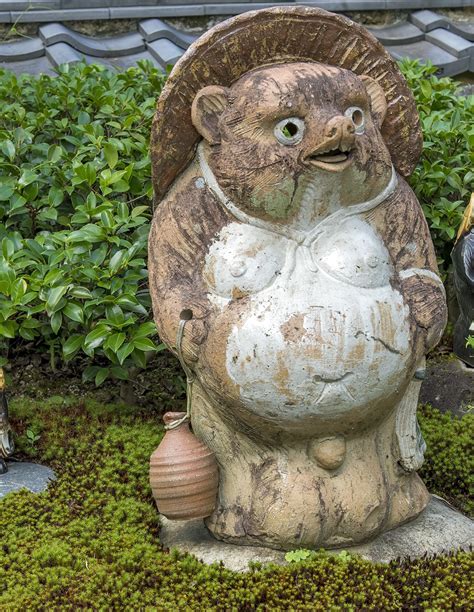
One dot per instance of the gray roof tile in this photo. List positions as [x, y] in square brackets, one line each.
[62, 53]
[57, 15]
[448, 65]
[37, 65]
[21, 5]
[152, 29]
[116, 46]
[452, 43]
[165, 51]
[146, 12]
[427, 20]
[400, 33]
[128, 60]
[21, 50]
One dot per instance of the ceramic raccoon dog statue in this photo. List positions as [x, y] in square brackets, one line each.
[308, 266]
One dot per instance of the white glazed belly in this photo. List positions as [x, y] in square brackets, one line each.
[311, 343]
[325, 348]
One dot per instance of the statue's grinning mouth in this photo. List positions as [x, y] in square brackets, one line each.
[333, 159]
[334, 156]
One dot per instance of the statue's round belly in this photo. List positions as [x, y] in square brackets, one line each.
[324, 348]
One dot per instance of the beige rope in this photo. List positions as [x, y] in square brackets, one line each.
[190, 376]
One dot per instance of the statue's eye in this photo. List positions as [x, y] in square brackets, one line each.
[289, 131]
[356, 115]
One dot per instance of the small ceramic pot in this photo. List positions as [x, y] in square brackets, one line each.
[183, 473]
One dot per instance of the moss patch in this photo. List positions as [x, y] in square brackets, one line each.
[449, 460]
[92, 540]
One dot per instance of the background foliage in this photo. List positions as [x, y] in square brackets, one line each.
[444, 177]
[75, 206]
[91, 541]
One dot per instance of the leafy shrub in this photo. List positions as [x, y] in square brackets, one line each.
[75, 194]
[92, 540]
[444, 178]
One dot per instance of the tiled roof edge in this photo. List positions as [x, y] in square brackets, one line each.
[52, 10]
[427, 36]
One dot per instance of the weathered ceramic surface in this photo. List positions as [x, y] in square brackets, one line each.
[309, 268]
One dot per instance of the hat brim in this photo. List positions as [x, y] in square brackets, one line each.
[274, 36]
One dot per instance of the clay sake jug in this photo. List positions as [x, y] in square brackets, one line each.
[183, 473]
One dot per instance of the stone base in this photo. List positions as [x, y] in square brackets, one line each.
[440, 528]
[23, 475]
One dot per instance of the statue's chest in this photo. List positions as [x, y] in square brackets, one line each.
[250, 261]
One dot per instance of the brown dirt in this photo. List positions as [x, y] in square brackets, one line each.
[160, 386]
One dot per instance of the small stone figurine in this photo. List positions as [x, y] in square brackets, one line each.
[463, 261]
[280, 146]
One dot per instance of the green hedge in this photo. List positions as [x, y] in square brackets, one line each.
[75, 206]
[444, 177]
[92, 540]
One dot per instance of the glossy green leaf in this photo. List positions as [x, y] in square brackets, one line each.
[56, 321]
[54, 296]
[74, 312]
[110, 154]
[72, 345]
[8, 148]
[96, 337]
[101, 376]
[115, 341]
[144, 344]
[124, 351]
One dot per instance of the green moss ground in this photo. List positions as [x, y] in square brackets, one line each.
[92, 540]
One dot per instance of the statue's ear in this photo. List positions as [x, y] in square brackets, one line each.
[378, 101]
[208, 105]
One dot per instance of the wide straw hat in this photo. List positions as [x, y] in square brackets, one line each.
[275, 36]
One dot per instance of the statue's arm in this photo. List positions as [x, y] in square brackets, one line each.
[402, 223]
[183, 226]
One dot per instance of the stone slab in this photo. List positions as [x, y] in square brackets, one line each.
[462, 28]
[440, 528]
[448, 386]
[23, 475]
